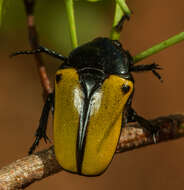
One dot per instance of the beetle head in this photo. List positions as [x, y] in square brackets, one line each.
[109, 57]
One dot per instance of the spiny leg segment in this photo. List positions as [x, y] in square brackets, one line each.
[40, 50]
[41, 130]
[149, 67]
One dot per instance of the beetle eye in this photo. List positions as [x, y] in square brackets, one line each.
[58, 78]
[125, 88]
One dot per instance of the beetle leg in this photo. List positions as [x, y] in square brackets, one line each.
[119, 26]
[41, 130]
[132, 116]
[40, 50]
[149, 67]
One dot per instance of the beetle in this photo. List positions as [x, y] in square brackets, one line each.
[91, 102]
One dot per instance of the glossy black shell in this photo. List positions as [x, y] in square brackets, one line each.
[102, 54]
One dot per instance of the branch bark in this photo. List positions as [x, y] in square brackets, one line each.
[34, 43]
[29, 169]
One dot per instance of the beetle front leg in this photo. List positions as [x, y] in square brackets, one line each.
[41, 130]
[40, 49]
[132, 116]
[120, 24]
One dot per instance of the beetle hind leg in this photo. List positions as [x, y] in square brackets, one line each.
[41, 130]
[132, 116]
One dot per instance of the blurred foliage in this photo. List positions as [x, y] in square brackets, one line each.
[92, 20]
[1, 9]
[93, 0]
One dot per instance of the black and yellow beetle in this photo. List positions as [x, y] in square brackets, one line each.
[91, 103]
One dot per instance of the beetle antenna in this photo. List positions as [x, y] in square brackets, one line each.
[150, 67]
[40, 50]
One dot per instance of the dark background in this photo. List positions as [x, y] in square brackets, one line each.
[154, 167]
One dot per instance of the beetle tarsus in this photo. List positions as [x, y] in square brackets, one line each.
[149, 67]
[35, 144]
[46, 139]
[119, 26]
[154, 138]
[39, 135]
[41, 131]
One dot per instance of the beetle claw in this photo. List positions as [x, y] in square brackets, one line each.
[154, 130]
[39, 135]
[154, 138]
[46, 138]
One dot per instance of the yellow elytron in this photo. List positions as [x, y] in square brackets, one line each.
[101, 127]
[91, 103]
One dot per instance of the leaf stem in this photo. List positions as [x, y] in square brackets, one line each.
[115, 35]
[71, 20]
[124, 7]
[159, 47]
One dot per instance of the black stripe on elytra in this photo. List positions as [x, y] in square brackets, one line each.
[85, 114]
[81, 140]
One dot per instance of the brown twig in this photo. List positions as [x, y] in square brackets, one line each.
[34, 42]
[171, 127]
[27, 170]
